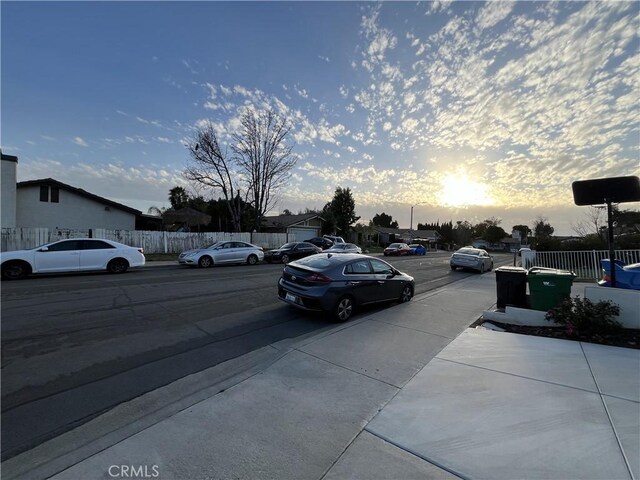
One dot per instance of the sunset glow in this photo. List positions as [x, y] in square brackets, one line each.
[459, 191]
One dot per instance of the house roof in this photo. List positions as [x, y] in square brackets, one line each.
[281, 221]
[9, 158]
[50, 182]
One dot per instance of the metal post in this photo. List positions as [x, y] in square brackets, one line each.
[612, 252]
[411, 221]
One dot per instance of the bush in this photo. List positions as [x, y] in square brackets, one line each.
[583, 317]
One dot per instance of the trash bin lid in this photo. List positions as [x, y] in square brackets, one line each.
[550, 272]
[510, 269]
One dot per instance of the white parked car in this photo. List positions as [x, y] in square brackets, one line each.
[71, 255]
[222, 252]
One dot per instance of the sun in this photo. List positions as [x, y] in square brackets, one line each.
[459, 191]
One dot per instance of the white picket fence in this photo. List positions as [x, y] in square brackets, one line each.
[585, 264]
[150, 241]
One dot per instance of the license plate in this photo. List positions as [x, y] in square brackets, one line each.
[291, 298]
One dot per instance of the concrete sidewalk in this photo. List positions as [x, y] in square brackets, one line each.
[407, 392]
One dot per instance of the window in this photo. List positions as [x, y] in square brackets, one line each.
[44, 193]
[64, 246]
[55, 195]
[357, 268]
[95, 245]
[381, 267]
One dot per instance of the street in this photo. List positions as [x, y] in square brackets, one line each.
[74, 346]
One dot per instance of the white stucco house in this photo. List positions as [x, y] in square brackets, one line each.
[9, 165]
[55, 205]
[303, 226]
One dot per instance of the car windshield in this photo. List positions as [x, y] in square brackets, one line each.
[214, 245]
[395, 245]
[414, 245]
[288, 245]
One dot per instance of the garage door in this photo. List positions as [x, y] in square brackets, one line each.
[300, 234]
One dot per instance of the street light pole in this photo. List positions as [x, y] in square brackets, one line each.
[411, 221]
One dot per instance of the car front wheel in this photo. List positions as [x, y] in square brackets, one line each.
[205, 262]
[343, 309]
[15, 270]
[406, 295]
[285, 259]
[252, 260]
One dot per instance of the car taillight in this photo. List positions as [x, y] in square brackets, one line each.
[607, 278]
[319, 278]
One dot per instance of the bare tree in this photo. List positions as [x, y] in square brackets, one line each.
[209, 165]
[264, 158]
[594, 223]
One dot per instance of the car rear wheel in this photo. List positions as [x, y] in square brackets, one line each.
[15, 270]
[343, 309]
[482, 267]
[117, 265]
[252, 259]
[285, 259]
[205, 262]
[406, 295]
[490, 267]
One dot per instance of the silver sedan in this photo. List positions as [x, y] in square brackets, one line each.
[222, 252]
[344, 248]
[473, 258]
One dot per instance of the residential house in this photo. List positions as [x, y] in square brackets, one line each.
[8, 175]
[298, 227]
[55, 205]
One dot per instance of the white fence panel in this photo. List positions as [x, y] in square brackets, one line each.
[23, 238]
[586, 264]
[150, 241]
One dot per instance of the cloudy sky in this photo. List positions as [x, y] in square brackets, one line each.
[464, 110]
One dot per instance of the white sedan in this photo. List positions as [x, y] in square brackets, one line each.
[222, 252]
[71, 255]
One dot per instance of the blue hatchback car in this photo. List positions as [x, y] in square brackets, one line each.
[417, 249]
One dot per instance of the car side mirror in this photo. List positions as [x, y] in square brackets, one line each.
[44, 249]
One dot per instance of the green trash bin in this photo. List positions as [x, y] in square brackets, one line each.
[548, 286]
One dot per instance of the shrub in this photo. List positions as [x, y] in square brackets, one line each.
[583, 317]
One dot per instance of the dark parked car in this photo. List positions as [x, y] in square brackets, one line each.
[291, 251]
[627, 276]
[340, 283]
[321, 242]
[397, 249]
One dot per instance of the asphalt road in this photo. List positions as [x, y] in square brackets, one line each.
[74, 346]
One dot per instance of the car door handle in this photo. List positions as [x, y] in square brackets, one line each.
[354, 283]
[381, 282]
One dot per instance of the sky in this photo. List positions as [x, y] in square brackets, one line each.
[461, 110]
